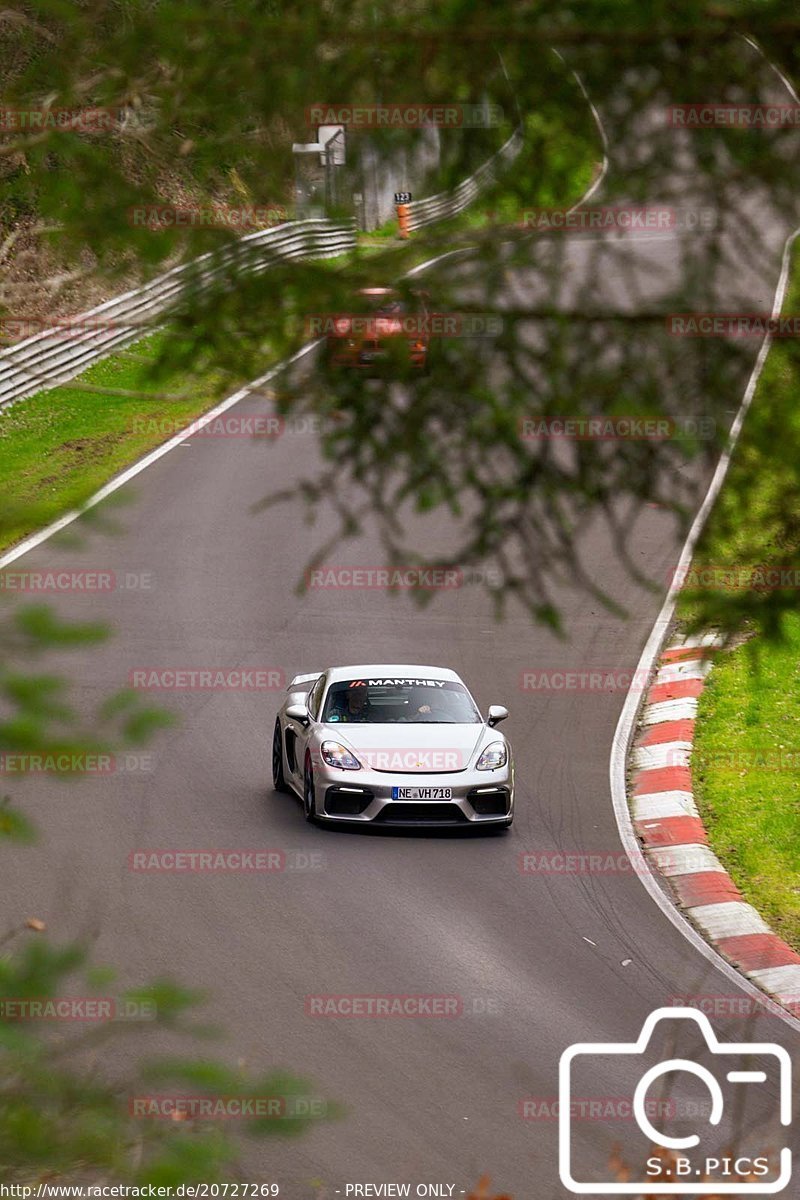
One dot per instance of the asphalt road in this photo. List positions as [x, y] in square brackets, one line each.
[538, 961]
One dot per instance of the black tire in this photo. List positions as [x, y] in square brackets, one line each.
[309, 807]
[278, 778]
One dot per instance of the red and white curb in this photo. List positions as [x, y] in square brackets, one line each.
[674, 838]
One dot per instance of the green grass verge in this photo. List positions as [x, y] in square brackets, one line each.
[58, 447]
[746, 760]
[746, 774]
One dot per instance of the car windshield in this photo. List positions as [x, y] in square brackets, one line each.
[383, 304]
[392, 701]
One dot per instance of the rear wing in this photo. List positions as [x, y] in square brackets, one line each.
[300, 682]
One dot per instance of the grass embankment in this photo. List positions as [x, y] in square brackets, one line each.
[58, 447]
[746, 761]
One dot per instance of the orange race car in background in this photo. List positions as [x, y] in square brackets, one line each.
[386, 330]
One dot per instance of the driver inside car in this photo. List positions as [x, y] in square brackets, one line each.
[421, 707]
[352, 705]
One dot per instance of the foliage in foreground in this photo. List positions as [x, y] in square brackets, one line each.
[65, 1109]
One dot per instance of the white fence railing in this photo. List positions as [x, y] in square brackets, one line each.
[450, 204]
[59, 354]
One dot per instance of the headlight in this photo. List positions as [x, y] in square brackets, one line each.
[337, 755]
[495, 755]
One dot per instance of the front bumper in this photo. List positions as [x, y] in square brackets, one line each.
[365, 797]
[378, 361]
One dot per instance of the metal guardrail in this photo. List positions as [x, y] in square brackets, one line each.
[57, 355]
[450, 204]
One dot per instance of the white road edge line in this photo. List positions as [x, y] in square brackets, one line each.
[623, 734]
[587, 195]
[120, 480]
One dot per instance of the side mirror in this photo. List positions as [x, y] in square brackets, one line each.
[299, 712]
[497, 713]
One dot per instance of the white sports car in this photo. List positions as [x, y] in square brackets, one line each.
[392, 745]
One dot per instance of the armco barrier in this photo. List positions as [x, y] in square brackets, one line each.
[53, 357]
[450, 204]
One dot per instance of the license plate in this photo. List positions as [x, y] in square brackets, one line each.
[422, 793]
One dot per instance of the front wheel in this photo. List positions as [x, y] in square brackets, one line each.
[278, 778]
[309, 805]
